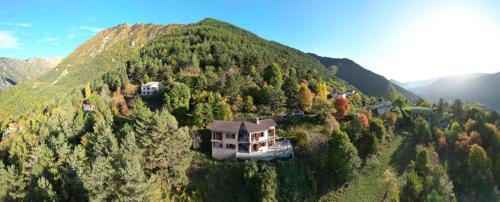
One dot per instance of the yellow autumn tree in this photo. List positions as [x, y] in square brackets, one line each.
[305, 96]
[322, 90]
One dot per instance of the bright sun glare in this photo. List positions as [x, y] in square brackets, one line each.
[448, 42]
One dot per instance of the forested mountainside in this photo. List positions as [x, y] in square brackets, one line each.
[481, 88]
[108, 50]
[82, 132]
[365, 80]
[14, 71]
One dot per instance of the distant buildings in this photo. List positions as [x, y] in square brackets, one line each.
[381, 107]
[150, 88]
[248, 140]
[424, 113]
[87, 107]
[345, 94]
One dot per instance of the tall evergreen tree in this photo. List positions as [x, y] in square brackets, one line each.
[167, 149]
[100, 180]
[343, 157]
[132, 180]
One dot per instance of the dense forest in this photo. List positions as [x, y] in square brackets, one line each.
[133, 148]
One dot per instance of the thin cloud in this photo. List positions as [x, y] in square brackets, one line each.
[16, 24]
[70, 35]
[52, 40]
[8, 40]
[91, 29]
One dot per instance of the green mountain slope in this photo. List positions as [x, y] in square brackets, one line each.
[14, 71]
[107, 51]
[368, 82]
[207, 44]
[482, 88]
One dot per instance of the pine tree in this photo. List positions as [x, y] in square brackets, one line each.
[248, 106]
[142, 117]
[202, 114]
[132, 180]
[43, 191]
[100, 180]
[13, 186]
[458, 110]
[167, 149]
[343, 157]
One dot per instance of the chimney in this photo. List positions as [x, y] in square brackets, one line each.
[257, 121]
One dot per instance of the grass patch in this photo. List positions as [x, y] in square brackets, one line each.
[367, 185]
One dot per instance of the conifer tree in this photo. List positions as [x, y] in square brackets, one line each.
[100, 180]
[132, 180]
[167, 149]
[343, 157]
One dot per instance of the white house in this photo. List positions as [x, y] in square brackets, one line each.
[150, 88]
[248, 140]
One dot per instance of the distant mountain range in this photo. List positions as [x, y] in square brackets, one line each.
[14, 71]
[368, 82]
[414, 84]
[482, 88]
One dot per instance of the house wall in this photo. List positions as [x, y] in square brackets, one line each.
[151, 91]
[265, 137]
[224, 153]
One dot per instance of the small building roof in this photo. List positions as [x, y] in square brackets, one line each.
[151, 83]
[234, 126]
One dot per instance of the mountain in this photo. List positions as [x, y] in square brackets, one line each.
[414, 84]
[482, 88]
[107, 51]
[157, 51]
[14, 71]
[368, 82]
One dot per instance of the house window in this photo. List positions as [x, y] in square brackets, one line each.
[270, 143]
[263, 144]
[230, 136]
[270, 132]
[230, 146]
[217, 136]
[217, 145]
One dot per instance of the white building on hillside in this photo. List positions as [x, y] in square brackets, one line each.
[150, 88]
[248, 140]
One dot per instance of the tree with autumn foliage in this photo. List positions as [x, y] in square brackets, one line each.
[342, 106]
[322, 90]
[363, 120]
[305, 96]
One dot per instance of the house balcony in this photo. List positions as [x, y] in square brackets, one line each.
[280, 149]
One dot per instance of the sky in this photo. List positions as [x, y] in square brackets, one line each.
[403, 40]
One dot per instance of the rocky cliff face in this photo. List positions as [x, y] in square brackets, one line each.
[14, 71]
